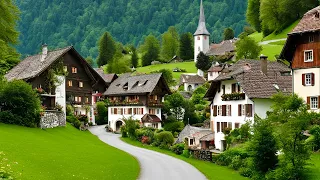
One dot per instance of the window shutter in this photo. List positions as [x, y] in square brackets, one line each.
[238, 88]
[233, 88]
[218, 126]
[215, 110]
[229, 110]
[318, 102]
[224, 108]
[303, 79]
[239, 109]
[249, 110]
[312, 79]
[308, 102]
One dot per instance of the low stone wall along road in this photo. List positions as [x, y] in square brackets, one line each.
[154, 165]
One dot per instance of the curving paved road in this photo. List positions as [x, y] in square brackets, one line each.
[154, 165]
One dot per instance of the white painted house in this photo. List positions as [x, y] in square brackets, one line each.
[138, 97]
[302, 51]
[243, 90]
[190, 82]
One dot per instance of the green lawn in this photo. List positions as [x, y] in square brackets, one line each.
[63, 153]
[188, 66]
[314, 167]
[271, 50]
[256, 36]
[283, 34]
[210, 170]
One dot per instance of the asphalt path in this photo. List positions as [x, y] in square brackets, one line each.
[153, 165]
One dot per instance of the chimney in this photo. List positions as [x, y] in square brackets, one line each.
[44, 52]
[264, 64]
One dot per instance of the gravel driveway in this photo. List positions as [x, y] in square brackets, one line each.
[154, 165]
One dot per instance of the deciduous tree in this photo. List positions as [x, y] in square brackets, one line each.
[253, 14]
[134, 57]
[203, 62]
[151, 50]
[247, 48]
[170, 44]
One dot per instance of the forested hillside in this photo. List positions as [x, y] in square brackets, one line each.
[81, 22]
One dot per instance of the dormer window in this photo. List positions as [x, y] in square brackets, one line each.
[74, 70]
[125, 87]
[308, 56]
[311, 38]
[317, 15]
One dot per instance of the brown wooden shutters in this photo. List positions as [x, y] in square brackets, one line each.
[318, 102]
[218, 127]
[215, 110]
[239, 110]
[312, 79]
[233, 88]
[249, 110]
[238, 87]
[224, 110]
[229, 110]
[308, 102]
[303, 79]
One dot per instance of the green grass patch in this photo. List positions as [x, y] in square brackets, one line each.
[256, 36]
[271, 50]
[63, 153]
[314, 167]
[190, 67]
[281, 43]
[283, 34]
[210, 170]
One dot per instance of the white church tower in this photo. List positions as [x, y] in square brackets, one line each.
[201, 38]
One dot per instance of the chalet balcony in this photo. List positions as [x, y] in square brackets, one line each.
[155, 104]
[233, 97]
[133, 102]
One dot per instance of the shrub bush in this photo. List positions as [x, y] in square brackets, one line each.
[71, 119]
[178, 148]
[145, 132]
[83, 118]
[102, 113]
[226, 158]
[129, 129]
[186, 153]
[69, 110]
[9, 118]
[315, 131]
[123, 130]
[21, 100]
[164, 139]
[174, 126]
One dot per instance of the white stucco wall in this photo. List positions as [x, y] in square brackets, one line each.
[261, 106]
[212, 75]
[200, 45]
[194, 86]
[61, 93]
[113, 118]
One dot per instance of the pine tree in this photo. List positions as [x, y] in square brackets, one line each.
[107, 49]
[151, 49]
[186, 50]
[228, 34]
[134, 57]
[203, 62]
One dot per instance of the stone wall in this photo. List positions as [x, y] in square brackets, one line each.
[52, 119]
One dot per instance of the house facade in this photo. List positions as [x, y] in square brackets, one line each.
[190, 82]
[76, 87]
[243, 90]
[214, 71]
[137, 97]
[302, 50]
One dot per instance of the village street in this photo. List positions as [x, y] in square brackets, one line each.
[154, 165]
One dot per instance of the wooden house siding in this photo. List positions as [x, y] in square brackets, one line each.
[298, 59]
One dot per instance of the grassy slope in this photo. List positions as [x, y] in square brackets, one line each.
[283, 34]
[314, 168]
[210, 170]
[63, 153]
[271, 50]
[188, 66]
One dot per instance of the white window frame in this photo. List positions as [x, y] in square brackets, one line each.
[243, 109]
[219, 110]
[314, 103]
[308, 79]
[228, 113]
[305, 56]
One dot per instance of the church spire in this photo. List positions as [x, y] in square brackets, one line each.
[202, 30]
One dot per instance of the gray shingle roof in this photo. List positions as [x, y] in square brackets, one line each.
[309, 22]
[135, 84]
[255, 83]
[150, 118]
[223, 48]
[191, 78]
[108, 78]
[190, 131]
[32, 66]
[202, 29]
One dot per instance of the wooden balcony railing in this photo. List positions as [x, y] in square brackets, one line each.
[233, 97]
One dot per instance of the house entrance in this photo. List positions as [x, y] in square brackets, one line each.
[118, 125]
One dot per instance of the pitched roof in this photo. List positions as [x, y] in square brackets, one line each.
[108, 78]
[150, 118]
[215, 68]
[222, 48]
[191, 78]
[253, 81]
[208, 137]
[202, 29]
[139, 84]
[309, 22]
[32, 66]
[188, 131]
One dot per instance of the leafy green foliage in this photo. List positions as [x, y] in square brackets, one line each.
[151, 49]
[134, 57]
[170, 44]
[174, 127]
[178, 148]
[174, 105]
[102, 113]
[167, 74]
[203, 62]
[186, 50]
[164, 139]
[228, 34]
[20, 104]
[129, 128]
[107, 49]
[253, 12]
[315, 131]
[90, 61]
[247, 48]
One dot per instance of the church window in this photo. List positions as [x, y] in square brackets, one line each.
[205, 37]
[198, 38]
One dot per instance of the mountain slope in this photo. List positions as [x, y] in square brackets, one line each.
[81, 22]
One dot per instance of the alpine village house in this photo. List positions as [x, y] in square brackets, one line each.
[243, 90]
[76, 82]
[138, 97]
[302, 50]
